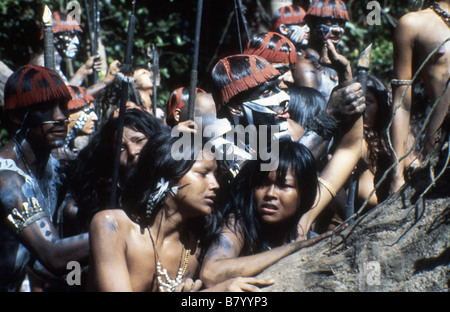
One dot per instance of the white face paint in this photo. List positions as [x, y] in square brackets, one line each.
[274, 105]
[299, 34]
[72, 47]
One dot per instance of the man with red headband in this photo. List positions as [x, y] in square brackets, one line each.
[279, 51]
[66, 41]
[290, 22]
[82, 121]
[177, 106]
[30, 184]
[326, 20]
[246, 92]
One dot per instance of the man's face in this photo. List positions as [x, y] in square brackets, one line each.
[47, 125]
[297, 33]
[286, 79]
[329, 29]
[67, 44]
[266, 105]
[87, 115]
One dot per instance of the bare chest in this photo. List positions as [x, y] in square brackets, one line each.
[433, 40]
[151, 265]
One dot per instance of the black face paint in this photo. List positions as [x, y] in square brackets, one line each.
[298, 34]
[265, 105]
[44, 114]
[325, 28]
[42, 118]
[67, 44]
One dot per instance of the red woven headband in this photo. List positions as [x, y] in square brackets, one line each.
[67, 24]
[274, 54]
[176, 101]
[34, 85]
[79, 99]
[328, 8]
[235, 85]
[290, 14]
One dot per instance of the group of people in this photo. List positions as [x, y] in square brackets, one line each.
[211, 213]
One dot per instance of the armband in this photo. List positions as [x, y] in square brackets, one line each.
[30, 214]
[328, 186]
[398, 82]
[324, 125]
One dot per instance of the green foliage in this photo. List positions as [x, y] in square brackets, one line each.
[359, 34]
[170, 25]
[162, 23]
[164, 30]
[4, 137]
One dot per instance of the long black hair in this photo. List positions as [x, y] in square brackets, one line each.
[90, 173]
[161, 159]
[380, 155]
[305, 103]
[242, 207]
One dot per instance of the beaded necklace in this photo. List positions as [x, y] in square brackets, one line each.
[167, 284]
[439, 11]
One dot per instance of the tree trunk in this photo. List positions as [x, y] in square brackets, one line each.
[400, 245]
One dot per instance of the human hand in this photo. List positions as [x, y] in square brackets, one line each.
[347, 102]
[188, 285]
[332, 59]
[187, 126]
[113, 70]
[242, 284]
[94, 62]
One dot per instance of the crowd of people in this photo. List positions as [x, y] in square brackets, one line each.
[264, 168]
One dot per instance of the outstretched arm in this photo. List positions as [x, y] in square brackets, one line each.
[336, 173]
[222, 261]
[97, 88]
[92, 63]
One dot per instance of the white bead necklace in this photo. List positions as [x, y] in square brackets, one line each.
[167, 284]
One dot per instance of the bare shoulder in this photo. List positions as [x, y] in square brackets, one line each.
[111, 219]
[13, 190]
[418, 19]
[408, 28]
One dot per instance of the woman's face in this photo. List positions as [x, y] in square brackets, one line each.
[144, 79]
[277, 202]
[371, 112]
[132, 143]
[198, 187]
